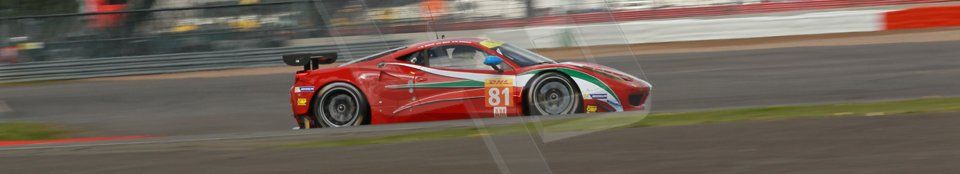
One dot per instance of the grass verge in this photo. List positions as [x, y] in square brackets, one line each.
[14, 131]
[928, 105]
[626, 120]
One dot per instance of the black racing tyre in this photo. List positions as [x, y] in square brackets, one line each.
[553, 93]
[340, 105]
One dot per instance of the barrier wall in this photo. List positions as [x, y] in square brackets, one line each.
[729, 28]
[926, 17]
[632, 15]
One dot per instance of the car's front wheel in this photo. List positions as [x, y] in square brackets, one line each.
[340, 105]
[553, 93]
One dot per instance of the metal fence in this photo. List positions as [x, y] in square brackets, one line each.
[153, 29]
[169, 63]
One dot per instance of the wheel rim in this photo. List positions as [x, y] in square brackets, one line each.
[554, 97]
[340, 109]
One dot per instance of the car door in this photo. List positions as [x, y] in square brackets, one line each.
[397, 79]
[457, 84]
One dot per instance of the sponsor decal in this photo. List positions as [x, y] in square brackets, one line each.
[591, 109]
[498, 91]
[491, 43]
[301, 102]
[499, 112]
[598, 96]
[428, 45]
[300, 89]
[498, 82]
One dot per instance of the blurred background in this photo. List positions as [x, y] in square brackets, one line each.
[53, 40]
[45, 30]
[712, 62]
[100, 38]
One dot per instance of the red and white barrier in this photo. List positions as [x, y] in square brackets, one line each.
[657, 31]
[924, 17]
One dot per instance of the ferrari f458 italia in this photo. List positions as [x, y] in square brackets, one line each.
[454, 79]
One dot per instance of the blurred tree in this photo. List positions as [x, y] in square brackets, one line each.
[10, 8]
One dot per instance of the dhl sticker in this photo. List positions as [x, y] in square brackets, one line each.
[498, 82]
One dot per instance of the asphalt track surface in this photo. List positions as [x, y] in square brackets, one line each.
[884, 144]
[694, 81]
[690, 81]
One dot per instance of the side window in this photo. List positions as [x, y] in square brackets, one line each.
[415, 58]
[457, 57]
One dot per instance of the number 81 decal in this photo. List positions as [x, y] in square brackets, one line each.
[498, 92]
[498, 96]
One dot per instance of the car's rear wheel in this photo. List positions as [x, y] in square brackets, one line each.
[553, 93]
[341, 105]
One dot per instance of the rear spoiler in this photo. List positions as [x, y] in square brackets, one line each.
[309, 61]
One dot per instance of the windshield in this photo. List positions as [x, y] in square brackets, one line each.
[522, 57]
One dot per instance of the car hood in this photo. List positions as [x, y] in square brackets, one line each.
[593, 69]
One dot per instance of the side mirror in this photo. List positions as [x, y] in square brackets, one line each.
[493, 61]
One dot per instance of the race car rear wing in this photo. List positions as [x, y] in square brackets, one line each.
[309, 61]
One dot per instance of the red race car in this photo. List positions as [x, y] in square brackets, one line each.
[454, 79]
